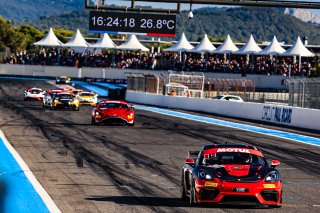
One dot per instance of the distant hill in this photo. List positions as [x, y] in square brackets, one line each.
[263, 23]
[239, 22]
[33, 9]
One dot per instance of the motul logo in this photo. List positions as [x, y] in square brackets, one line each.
[233, 150]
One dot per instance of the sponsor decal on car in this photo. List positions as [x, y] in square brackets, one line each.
[212, 152]
[269, 186]
[233, 150]
[211, 184]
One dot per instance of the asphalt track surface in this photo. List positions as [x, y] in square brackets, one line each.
[89, 168]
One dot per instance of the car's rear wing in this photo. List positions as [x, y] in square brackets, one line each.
[193, 154]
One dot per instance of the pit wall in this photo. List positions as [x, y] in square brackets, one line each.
[278, 114]
[261, 81]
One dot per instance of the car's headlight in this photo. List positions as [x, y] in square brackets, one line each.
[97, 113]
[130, 115]
[273, 176]
[203, 174]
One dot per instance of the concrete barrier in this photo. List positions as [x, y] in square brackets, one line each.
[278, 114]
[261, 81]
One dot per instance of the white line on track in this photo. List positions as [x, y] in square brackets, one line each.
[52, 207]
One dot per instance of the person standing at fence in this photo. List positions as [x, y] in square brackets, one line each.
[173, 93]
[188, 93]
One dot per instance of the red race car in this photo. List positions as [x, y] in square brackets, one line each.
[110, 112]
[231, 174]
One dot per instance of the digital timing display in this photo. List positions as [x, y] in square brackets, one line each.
[129, 23]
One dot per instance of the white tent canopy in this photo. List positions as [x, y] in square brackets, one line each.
[204, 46]
[181, 46]
[298, 49]
[104, 42]
[50, 40]
[250, 47]
[226, 47]
[77, 41]
[132, 44]
[274, 48]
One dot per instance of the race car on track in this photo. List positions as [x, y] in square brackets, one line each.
[228, 98]
[63, 80]
[47, 100]
[87, 98]
[109, 112]
[65, 100]
[34, 94]
[231, 174]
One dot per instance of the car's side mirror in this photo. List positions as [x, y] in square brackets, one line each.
[189, 161]
[275, 163]
[131, 106]
[69, 79]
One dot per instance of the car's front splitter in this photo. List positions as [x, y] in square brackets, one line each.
[224, 192]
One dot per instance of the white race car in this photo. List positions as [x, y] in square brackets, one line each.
[34, 94]
[228, 98]
[87, 98]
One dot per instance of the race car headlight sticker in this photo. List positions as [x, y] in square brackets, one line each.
[56, 100]
[97, 113]
[204, 175]
[130, 115]
[272, 177]
[211, 184]
[269, 186]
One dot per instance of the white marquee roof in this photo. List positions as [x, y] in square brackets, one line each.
[298, 49]
[181, 46]
[104, 42]
[132, 44]
[226, 47]
[204, 46]
[250, 47]
[77, 41]
[49, 40]
[274, 48]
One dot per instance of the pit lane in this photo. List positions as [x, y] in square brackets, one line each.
[136, 169]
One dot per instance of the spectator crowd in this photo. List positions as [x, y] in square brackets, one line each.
[169, 61]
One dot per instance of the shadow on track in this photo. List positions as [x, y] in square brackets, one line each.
[165, 202]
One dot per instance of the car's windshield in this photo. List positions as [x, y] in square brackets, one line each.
[113, 105]
[218, 97]
[35, 91]
[222, 158]
[86, 94]
[65, 96]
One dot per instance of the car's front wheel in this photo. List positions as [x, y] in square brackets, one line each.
[93, 121]
[192, 198]
[131, 124]
[183, 189]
